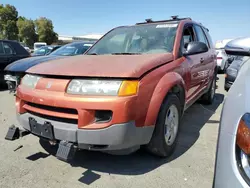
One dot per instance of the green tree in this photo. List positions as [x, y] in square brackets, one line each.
[27, 32]
[8, 19]
[45, 30]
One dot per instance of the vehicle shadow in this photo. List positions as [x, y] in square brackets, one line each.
[141, 162]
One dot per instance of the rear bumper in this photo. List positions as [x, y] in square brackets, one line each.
[219, 62]
[115, 137]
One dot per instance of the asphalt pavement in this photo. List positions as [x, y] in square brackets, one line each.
[192, 164]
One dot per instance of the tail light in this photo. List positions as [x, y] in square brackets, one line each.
[243, 134]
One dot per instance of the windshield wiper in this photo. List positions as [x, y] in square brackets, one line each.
[125, 53]
[92, 54]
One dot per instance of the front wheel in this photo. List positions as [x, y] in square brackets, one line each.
[166, 130]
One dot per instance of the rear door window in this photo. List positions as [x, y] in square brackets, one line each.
[8, 50]
[200, 35]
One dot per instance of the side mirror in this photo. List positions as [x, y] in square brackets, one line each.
[195, 48]
[240, 47]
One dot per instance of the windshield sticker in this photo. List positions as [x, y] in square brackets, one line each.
[166, 25]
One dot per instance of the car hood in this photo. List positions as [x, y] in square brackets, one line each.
[24, 64]
[129, 66]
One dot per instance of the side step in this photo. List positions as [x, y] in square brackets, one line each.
[66, 151]
[15, 133]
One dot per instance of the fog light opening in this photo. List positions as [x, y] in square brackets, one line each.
[102, 116]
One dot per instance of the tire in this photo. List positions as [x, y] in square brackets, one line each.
[208, 97]
[226, 88]
[163, 143]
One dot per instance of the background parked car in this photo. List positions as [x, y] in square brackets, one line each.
[15, 71]
[230, 59]
[45, 50]
[232, 167]
[232, 71]
[10, 51]
[221, 54]
[38, 45]
[25, 47]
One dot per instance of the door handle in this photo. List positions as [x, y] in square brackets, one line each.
[202, 60]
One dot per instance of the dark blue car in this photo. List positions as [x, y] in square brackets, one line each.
[16, 70]
[45, 50]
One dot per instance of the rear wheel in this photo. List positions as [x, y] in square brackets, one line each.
[166, 130]
[208, 97]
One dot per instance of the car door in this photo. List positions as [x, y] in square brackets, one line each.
[192, 63]
[206, 59]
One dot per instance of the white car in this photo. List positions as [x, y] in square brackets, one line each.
[221, 54]
[232, 169]
[38, 45]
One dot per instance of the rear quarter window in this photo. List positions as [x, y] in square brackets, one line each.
[19, 49]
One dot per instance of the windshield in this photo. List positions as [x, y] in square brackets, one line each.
[42, 51]
[142, 39]
[72, 49]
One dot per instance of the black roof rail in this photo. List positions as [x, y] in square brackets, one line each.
[174, 18]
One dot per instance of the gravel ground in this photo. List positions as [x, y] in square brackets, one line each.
[191, 165]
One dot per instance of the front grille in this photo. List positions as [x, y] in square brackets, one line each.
[52, 118]
[54, 109]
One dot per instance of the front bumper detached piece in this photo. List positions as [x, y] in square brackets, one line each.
[15, 133]
[66, 151]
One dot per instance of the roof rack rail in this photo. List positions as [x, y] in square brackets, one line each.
[174, 18]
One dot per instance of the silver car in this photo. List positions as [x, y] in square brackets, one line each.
[222, 57]
[232, 168]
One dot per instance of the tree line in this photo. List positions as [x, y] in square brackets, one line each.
[14, 27]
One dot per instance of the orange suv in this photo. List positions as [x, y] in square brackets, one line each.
[130, 88]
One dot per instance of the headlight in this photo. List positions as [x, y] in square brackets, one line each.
[30, 80]
[103, 87]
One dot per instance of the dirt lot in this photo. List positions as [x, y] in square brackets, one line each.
[191, 165]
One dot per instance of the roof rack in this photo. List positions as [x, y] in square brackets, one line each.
[174, 18]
